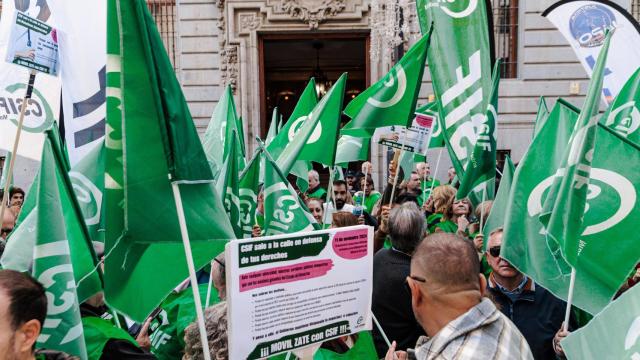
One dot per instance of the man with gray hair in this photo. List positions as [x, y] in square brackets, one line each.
[447, 296]
[315, 191]
[391, 300]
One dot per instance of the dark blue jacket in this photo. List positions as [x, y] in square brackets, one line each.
[537, 313]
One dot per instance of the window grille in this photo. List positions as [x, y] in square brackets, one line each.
[505, 29]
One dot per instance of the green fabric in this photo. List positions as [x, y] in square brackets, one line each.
[318, 131]
[623, 115]
[499, 207]
[447, 226]
[566, 202]
[541, 116]
[362, 349]
[273, 127]
[432, 220]
[612, 334]
[142, 82]
[227, 187]
[216, 137]
[167, 328]
[318, 193]
[98, 331]
[479, 180]
[87, 177]
[370, 201]
[248, 192]
[426, 186]
[283, 210]
[351, 148]
[391, 100]
[460, 64]
[61, 255]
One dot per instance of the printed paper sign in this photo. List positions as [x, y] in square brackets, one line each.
[33, 44]
[287, 292]
[417, 136]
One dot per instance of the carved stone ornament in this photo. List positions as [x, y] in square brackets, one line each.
[313, 12]
[248, 22]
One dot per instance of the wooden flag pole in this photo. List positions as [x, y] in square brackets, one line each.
[364, 189]
[436, 170]
[14, 152]
[192, 270]
[484, 197]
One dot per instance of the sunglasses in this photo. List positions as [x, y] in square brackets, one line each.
[494, 251]
[415, 278]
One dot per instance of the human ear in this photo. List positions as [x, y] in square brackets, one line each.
[483, 284]
[29, 333]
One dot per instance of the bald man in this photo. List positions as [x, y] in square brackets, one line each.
[447, 297]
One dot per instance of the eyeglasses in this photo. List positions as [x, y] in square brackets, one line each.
[415, 278]
[494, 251]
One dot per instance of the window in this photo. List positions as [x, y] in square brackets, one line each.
[505, 30]
[165, 14]
[635, 9]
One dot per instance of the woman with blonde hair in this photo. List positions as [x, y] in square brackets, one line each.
[440, 203]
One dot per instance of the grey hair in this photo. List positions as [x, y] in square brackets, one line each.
[215, 319]
[406, 227]
[314, 174]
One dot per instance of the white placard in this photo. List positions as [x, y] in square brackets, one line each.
[33, 44]
[291, 291]
[417, 138]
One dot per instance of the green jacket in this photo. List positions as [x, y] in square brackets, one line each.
[370, 201]
[318, 193]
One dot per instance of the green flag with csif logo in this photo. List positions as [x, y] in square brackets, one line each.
[227, 187]
[248, 191]
[87, 177]
[612, 334]
[566, 201]
[351, 148]
[623, 115]
[496, 216]
[391, 100]
[479, 179]
[215, 136]
[460, 65]
[284, 213]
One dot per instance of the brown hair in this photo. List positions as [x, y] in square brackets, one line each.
[343, 219]
[27, 300]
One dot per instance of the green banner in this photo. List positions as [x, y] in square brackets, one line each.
[460, 65]
[623, 115]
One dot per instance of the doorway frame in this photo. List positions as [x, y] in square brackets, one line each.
[297, 35]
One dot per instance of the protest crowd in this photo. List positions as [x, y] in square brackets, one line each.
[495, 261]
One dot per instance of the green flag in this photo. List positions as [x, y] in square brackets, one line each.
[479, 177]
[5, 171]
[248, 192]
[564, 207]
[19, 253]
[321, 144]
[87, 177]
[391, 100]
[612, 334]
[150, 139]
[308, 100]
[541, 116]
[284, 213]
[524, 242]
[351, 148]
[318, 134]
[227, 187]
[63, 258]
[273, 127]
[460, 61]
[623, 115]
[216, 133]
[496, 217]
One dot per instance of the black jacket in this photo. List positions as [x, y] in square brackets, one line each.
[537, 313]
[392, 301]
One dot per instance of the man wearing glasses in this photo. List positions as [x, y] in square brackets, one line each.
[535, 311]
[448, 300]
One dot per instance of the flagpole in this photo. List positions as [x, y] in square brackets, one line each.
[330, 187]
[192, 270]
[484, 198]
[395, 178]
[384, 336]
[364, 190]
[436, 170]
[14, 152]
[567, 314]
[206, 302]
